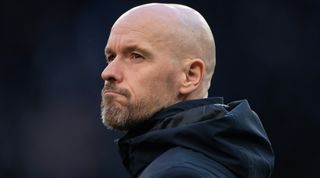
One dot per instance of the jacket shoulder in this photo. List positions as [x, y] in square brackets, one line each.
[180, 162]
[173, 172]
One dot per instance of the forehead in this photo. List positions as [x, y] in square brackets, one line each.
[152, 29]
[132, 29]
[128, 39]
[150, 22]
[137, 36]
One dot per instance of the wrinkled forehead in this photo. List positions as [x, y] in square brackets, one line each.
[144, 28]
[150, 20]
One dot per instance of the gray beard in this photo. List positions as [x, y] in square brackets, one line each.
[126, 117]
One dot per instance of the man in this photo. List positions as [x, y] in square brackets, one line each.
[161, 58]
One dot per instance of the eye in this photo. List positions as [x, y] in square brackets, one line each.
[136, 56]
[110, 58]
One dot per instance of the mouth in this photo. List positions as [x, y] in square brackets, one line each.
[111, 92]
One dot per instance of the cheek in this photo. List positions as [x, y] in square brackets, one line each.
[149, 84]
[164, 82]
[158, 81]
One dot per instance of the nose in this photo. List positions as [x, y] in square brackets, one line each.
[112, 73]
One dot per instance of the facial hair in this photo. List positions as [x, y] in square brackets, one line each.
[127, 115]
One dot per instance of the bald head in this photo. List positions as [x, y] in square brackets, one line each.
[155, 50]
[177, 29]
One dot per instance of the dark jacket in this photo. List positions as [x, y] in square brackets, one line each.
[199, 138]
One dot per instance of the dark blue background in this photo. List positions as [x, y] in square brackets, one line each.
[52, 56]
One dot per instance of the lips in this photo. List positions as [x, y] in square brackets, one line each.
[106, 92]
[113, 90]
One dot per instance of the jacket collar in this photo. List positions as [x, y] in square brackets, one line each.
[135, 156]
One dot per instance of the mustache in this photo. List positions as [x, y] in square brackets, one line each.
[113, 88]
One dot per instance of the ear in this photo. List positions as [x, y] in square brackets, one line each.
[193, 75]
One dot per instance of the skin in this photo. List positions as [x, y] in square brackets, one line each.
[158, 55]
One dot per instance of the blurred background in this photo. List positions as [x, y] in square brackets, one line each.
[52, 54]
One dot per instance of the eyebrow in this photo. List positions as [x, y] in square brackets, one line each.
[130, 48]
